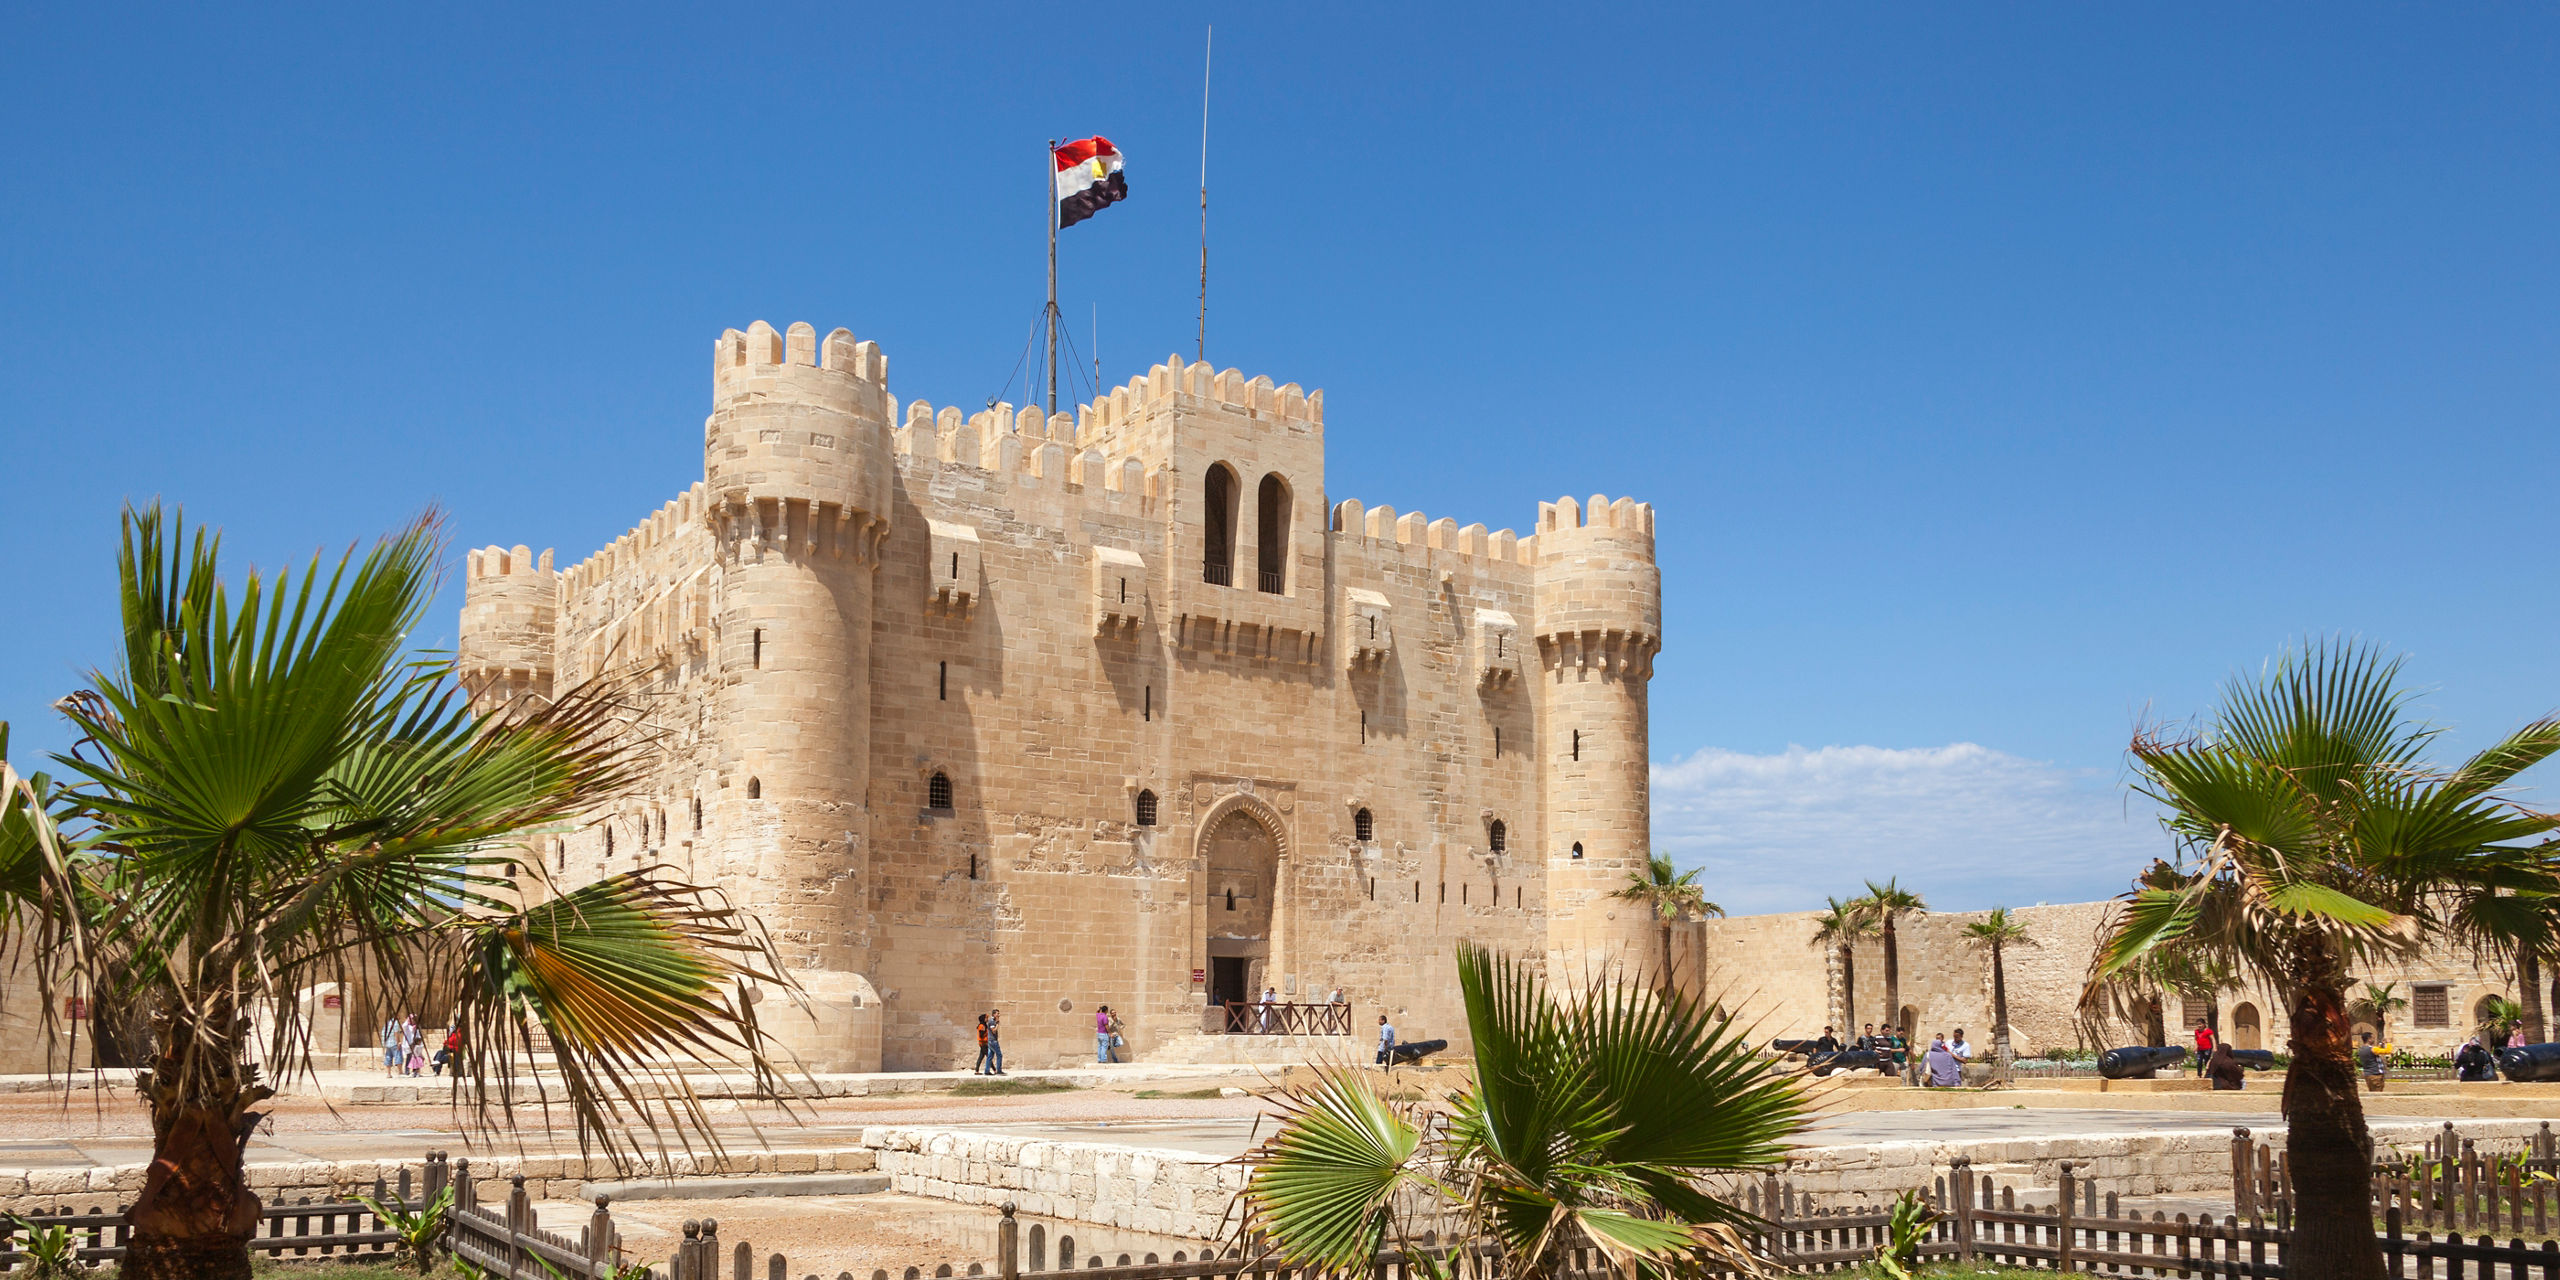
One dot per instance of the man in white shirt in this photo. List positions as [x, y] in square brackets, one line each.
[1386, 1041]
[1960, 1047]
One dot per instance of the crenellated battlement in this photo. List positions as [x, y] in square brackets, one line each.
[500, 562]
[1016, 443]
[1414, 530]
[1172, 380]
[1625, 518]
[624, 553]
[510, 608]
[762, 360]
[1599, 590]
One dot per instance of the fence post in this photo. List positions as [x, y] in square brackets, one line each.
[742, 1262]
[2062, 1218]
[437, 1176]
[680, 1266]
[1008, 1243]
[707, 1264]
[1961, 1180]
[600, 1234]
[2242, 1194]
[519, 1217]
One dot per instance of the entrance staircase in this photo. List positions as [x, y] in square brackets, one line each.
[1201, 1048]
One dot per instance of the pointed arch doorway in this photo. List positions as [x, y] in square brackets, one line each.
[1243, 852]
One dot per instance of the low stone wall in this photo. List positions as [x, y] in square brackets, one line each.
[2122, 1163]
[1181, 1194]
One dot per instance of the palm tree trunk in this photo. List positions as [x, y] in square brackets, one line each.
[1892, 977]
[2529, 993]
[195, 1214]
[1670, 978]
[1848, 988]
[2326, 1142]
[1999, 1014]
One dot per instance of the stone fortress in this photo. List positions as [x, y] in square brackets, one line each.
[999, 710]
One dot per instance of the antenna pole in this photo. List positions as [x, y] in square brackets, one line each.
[1207, 47]
[1050, 314]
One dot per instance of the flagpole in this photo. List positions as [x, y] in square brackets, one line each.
[1051, 314]
[1207, 47]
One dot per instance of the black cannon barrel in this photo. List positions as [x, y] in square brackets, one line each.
[2139, 1060]
[1414, 1051]
[1849, 1060]
[1797, 1047]
[2255, 1059]
[2530, 1062]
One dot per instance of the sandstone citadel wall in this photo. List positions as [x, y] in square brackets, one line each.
[1160, 677]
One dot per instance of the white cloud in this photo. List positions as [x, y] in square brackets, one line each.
[1967, 826]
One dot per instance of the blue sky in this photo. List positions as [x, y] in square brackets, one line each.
[2002, 375]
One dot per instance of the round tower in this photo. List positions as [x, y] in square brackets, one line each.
[510, 611]
[798, 474]
[1599, 623]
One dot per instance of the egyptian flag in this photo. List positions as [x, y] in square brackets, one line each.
[1088, 178]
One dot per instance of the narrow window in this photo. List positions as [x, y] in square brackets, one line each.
[942, 681]
[1577, 850]
[1231, 899]
[1515, 897]
[755, 649]
[1146, 808]
[697, 815]
[1498, 643]
[1364, 726]
[955, 577]
[1417, 891]
[1577, 744]
[1148, 712]
[755, 789]
[1271, 540]
[1218, 531]
[937, 793]
[1444, 893]
[1497, 742]
[608, 840]
[1462, 892]
[560, 854]
[511, 870]
[1363, 829]
[1373, 888]
[973, 866]
[1498, 837]
[1373, 627]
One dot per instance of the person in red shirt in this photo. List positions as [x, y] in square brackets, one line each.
[2204, 1046]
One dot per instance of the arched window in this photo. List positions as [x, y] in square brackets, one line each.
[755, 789]
[1231, 899]
[937, 793]
[1218, 529]
[1577, 849]
[1363, 827]
[1146, 808]
[1498, 836]
[1271, 535]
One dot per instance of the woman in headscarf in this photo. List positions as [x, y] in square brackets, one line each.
[1945, 1072]
[2223, 1068]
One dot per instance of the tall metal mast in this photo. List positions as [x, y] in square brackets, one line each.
[1207, 47]
[1049, 181]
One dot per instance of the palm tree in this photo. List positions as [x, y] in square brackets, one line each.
[268, 794]
[1597, 1119]
[1845, 925]
[1994, 933]
[1671, 895]
[2383, 1000]
[2313, 837]
[1888, 902]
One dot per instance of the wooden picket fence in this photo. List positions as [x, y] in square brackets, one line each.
[343, 1229]
[2451, 1182]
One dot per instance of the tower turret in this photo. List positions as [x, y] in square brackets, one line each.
[510, 605]
[798, 469]
[1599, 623]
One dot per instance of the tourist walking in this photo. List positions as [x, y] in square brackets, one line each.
[1119, 1042]
[995, 1043]
[391, 1045]
[981, 1067]
[1102, 1033]
[1386, 1042]
[2371, 1061]
[1270, 998]
[2204, 1045]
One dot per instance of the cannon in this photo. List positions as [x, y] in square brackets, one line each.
[1852, 1060]
[1792, 1048]
[2256, 1059]
[1417, 1050]
[2134, 1061]
[2533, 1062]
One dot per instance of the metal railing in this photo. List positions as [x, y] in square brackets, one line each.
[1271, 583]
[1218, 575]
[1250, 1018]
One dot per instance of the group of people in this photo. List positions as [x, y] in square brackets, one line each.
[1941, 1066]
[990, 1044]
[2215, 1061]
[404, 1045]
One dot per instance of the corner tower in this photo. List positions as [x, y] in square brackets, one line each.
[1599, 623]
[510, 612]
[797, 475]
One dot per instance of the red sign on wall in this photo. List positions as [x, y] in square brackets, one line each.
[1199, 975]
[75, 1007]
[333, 1001]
